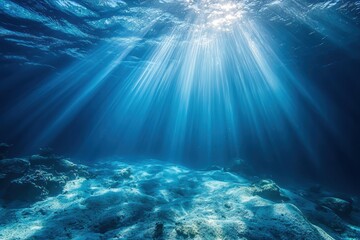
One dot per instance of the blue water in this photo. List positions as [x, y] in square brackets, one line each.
[179, 119]
[199, 82]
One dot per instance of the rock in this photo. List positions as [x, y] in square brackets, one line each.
[338, 205]
[158, 231]
[107, 224]
[34, 179]
[268, 189]
[64, 165]
[282, 221]
[35, 185]
[227, 205]
[319, 215]
[13, 167]
[324, 216]
[122, 174]
[24, 191]
[213, 205]
[42, 160]
[187, 230]
[57, 164]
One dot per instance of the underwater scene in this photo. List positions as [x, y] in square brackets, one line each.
[180, 119]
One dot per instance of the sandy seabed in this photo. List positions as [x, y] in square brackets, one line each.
[150, 199]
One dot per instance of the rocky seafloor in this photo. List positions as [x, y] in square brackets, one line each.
[46, 196]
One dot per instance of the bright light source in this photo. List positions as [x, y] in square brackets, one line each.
[219, 15]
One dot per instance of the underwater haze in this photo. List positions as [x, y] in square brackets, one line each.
[179, 116]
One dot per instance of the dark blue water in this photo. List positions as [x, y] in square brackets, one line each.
[193, 82]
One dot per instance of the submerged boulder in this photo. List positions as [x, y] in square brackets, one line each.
[268, 189]
[326, 217]
[282, 221]
[40, 160]
[338, 205]
[122, 174]
[13, 167]
[187, 230]
[58, 164]
[37, 177]
[35, 185]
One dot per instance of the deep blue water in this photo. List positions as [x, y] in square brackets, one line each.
[197, 82]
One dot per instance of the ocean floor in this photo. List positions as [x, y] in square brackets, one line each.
[47, 197]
